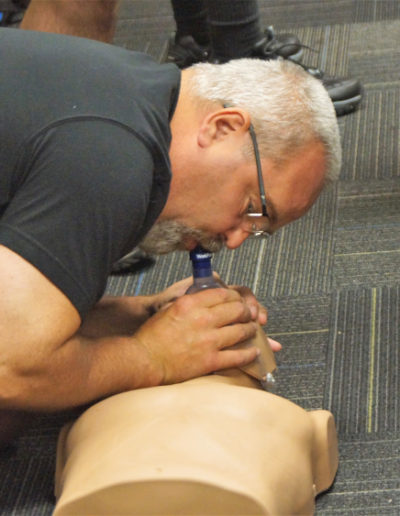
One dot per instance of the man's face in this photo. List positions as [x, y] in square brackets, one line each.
[211, 213]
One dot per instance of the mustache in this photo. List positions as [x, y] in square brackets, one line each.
[168, 236]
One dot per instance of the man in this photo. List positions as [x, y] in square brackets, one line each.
[102, 150]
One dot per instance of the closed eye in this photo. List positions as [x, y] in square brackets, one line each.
[251, 207]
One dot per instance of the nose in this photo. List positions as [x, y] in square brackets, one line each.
[235, 237]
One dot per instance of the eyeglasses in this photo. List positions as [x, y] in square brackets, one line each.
[257, 224]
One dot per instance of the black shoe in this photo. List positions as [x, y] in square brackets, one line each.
[345, 92]
[185, 51]
[279, 45]
[132, 262]
[272, 46]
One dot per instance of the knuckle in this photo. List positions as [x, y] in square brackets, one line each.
[243, 332]
[224, 294]
[203, 318]
[212, 362]
[211, 342]
[242, 311]
[229, 294]
[183, 304]
[248, 330]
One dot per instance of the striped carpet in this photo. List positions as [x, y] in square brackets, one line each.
[331, 280]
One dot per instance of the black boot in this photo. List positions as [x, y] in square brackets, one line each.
[345, 92]
[185, 51]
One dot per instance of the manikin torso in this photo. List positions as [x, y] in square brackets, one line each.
[215, 445]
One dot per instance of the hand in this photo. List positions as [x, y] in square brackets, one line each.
[258, 312]
[190, 338]
[170, 294]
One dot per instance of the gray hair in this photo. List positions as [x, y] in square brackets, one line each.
[288, 107]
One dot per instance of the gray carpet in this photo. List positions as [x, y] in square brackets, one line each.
[331, 280]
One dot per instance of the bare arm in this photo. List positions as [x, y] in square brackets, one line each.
[123, 315]
[47, 364]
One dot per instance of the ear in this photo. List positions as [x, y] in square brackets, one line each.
[222, 124]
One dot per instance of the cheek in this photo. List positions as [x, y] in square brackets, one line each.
[231, 212]
[219, 221]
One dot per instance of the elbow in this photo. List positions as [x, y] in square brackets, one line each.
[11, 388]
[16, 387]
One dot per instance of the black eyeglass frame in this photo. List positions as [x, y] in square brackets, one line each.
[261, 187]
[259, 171]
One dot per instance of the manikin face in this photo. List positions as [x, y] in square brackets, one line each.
[211, 213]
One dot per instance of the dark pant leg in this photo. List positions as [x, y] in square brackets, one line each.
[234, 27]
[191, 19]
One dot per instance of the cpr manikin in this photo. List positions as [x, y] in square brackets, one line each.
[215, 445]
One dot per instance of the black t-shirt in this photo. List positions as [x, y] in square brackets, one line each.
[84, 139]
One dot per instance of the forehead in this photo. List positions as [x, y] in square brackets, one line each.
[294, 188]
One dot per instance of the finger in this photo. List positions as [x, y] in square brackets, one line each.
[262, 315]
[259, 313]
[179, 288]
[226, 314]
[275, 345]
[236, 358]
[215, 296]
[165, 306]
[176, 290]
[231, 335]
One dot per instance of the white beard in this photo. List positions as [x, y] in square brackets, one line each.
[167, 236]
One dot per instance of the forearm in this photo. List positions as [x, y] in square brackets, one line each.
[48, 369]
[102, 358]
[117, 316]
[125, 314]
[80, 371]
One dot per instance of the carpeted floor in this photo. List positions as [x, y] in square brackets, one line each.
[331, 280]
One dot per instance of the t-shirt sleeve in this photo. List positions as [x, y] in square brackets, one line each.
[81, 203]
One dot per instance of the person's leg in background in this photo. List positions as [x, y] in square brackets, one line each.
[94, 19]
[235, 31]
[234, 25]
[223, 30]
[191, 41]
[206, 30]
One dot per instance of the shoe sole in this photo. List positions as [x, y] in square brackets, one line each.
[343, 107]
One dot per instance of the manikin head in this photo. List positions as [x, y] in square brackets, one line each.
[215, 182]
